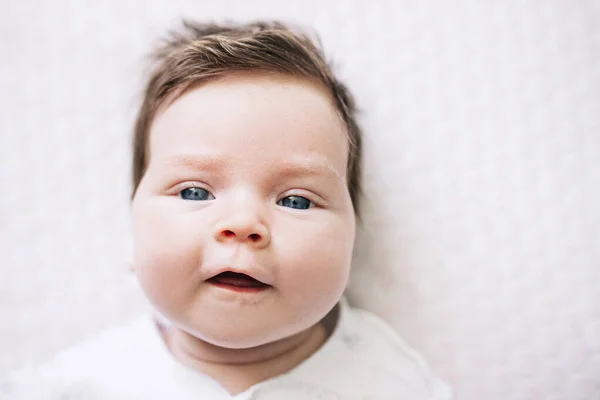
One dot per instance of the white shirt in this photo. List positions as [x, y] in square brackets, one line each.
[362, 359]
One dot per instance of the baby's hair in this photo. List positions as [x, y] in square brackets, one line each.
[200, 52]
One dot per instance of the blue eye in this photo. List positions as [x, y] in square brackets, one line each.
[296, 202]
[195, 193]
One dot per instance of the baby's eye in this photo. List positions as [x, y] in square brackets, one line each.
[195, 193]
[297, 202]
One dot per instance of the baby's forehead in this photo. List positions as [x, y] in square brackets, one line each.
[261, 117]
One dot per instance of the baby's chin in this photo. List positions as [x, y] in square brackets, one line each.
[246, 336]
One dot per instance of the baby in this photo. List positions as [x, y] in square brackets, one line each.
[246, 177]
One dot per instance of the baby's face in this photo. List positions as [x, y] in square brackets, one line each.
[247, 174]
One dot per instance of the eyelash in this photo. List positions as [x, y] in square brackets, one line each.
[312, 198]
[316, 201]
[188, 185]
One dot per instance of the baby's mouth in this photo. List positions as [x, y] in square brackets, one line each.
[237, 282]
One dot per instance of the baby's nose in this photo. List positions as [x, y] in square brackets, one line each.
[250, 230]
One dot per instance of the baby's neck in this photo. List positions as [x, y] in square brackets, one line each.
[238, 369]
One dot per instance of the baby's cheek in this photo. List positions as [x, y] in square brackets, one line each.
[166, 278]
[317, 267]
[166, 252]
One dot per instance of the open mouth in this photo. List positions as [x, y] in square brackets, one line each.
[237, 282]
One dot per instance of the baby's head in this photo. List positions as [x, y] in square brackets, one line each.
[246, 172]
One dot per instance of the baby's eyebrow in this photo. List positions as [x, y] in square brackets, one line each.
[197, 162]
[308, 166]
[293, 167]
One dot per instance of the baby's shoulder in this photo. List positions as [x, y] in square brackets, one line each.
[365, 355]
[371, 340]
[83, 370]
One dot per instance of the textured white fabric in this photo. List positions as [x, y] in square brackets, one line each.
[481, 235]
[362, 359]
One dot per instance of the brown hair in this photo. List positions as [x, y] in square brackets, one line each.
[200, 52]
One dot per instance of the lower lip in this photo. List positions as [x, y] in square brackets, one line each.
[240, 289]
